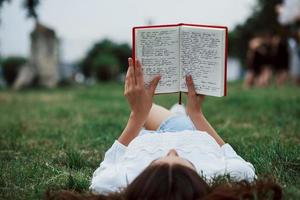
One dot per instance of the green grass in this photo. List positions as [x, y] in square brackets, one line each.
[54, 139]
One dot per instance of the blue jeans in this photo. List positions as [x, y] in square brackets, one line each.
[175, 123]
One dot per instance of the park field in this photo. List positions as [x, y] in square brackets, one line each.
[54, 139]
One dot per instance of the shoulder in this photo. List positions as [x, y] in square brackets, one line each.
[236, 166]
[110, 176]
[240, 170]
[108, 181]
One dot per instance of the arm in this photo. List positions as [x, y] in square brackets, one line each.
[202, 124]
[194, 110]
[110, 176]
[132, 129]
[236, 166]
[140, 100]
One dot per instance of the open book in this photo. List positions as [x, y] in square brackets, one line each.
[174, 51]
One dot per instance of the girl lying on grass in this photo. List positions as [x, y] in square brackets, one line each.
[176, 156]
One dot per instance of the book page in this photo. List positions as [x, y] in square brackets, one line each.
[158, 51]
[202, 55]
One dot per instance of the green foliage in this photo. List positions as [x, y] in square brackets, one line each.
[105, 59]
[262, 20]
[106, 66]
[56, 139]
[11, 67]
[29, 5]
[123, 52]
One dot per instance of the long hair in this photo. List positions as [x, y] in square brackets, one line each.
[166, 182]
[177, 182]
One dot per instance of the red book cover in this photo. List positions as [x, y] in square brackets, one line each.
[186, 24]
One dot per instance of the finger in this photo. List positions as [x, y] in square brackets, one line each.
[153, 84]
[201, 97]
[126, 87]
[130, 73]
[139, 74]
[126, 84]
[190, 85]
[130, 66]
[135, 68]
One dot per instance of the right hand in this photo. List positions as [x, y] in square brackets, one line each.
[194, 101]
[138, 96]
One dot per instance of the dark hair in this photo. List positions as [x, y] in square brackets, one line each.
[164, 181]
[177, 182]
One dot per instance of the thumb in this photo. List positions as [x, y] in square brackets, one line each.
[153, 85]
[190, 85]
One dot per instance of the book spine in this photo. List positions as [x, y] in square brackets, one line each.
[226, 54]
[179, 54]
[133, 45]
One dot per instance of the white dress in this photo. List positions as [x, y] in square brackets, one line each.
[122, 164]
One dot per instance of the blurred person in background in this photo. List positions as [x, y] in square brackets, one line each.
[280, 57]
[289, 15]
[259, 61]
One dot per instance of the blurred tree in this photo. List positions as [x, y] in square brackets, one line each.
[105, 57]
[262, 20]
[11, 67]
[106, 66]
[2, 1]
[29, 5]
[123, 51]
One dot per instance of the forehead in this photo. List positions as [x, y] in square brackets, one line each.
[174, 160]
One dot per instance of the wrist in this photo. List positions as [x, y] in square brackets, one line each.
[132, 129]
[137, 118]
[196, 114]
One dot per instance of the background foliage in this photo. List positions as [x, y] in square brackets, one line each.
[11, 67]
[105, 59]
[29, 5]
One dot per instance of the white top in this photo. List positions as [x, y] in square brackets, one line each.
[122, 164]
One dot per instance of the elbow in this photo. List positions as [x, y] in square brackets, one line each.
[240, 173]
[95, 187]
[249, 174]
[100, 188]
[104, 184]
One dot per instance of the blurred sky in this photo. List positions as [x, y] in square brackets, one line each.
[79, 23]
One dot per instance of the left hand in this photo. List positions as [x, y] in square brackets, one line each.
[138, 96]
[194, 101]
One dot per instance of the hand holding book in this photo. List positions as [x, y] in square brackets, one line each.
[138, 96]
[194, 101]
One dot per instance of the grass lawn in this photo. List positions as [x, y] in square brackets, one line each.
[54, 139]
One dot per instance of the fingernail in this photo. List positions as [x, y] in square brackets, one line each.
[188, 77]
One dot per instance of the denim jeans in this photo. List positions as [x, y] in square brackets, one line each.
[174, 123]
